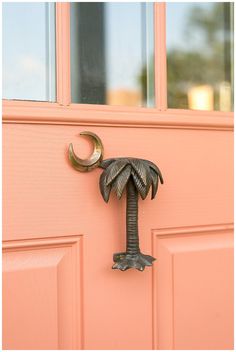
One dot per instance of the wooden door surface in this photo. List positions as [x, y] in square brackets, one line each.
[59, 291]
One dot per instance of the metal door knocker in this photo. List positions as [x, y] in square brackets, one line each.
[137, 176]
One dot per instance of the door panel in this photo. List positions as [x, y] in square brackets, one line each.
[47, 203]
[42, 294]
[193, 289]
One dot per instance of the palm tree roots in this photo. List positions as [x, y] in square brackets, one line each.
[124, 261]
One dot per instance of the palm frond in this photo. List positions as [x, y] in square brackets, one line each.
[121, 181]
[105, 163]
[156, 169]
[118, 171]
[140, 169]
[141, 188]
[104, 188]
[154, 176]
[148, 174]
[114, 169]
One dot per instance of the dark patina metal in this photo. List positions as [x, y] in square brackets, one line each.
[137, 176]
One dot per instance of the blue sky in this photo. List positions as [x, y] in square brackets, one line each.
[28, 56]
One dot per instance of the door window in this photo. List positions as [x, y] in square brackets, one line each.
[112, 53]
[29, 51]
[200, 56]
[112, 50]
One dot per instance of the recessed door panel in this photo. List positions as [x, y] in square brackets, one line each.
[194, 290]
[42, 294]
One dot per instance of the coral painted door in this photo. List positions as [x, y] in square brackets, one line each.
[59, 236]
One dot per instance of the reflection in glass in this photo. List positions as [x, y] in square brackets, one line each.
[29, 51]
[200, 56]
[112, 53]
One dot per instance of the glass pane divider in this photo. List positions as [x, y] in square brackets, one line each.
[63, 53]
[50, 44]
[160, 67]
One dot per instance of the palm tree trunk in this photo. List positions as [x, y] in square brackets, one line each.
[132, 244]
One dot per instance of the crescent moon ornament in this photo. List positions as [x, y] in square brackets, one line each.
[85, 165]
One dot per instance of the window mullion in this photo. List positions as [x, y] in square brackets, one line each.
[160, 56]
[63, 53]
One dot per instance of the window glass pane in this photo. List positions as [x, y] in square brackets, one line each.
[112, 53]
[200, 55]
[29, 51]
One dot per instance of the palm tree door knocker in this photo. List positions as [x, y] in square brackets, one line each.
[137, 175]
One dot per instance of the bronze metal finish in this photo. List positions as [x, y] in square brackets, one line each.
[85, 165]
[137, 176]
